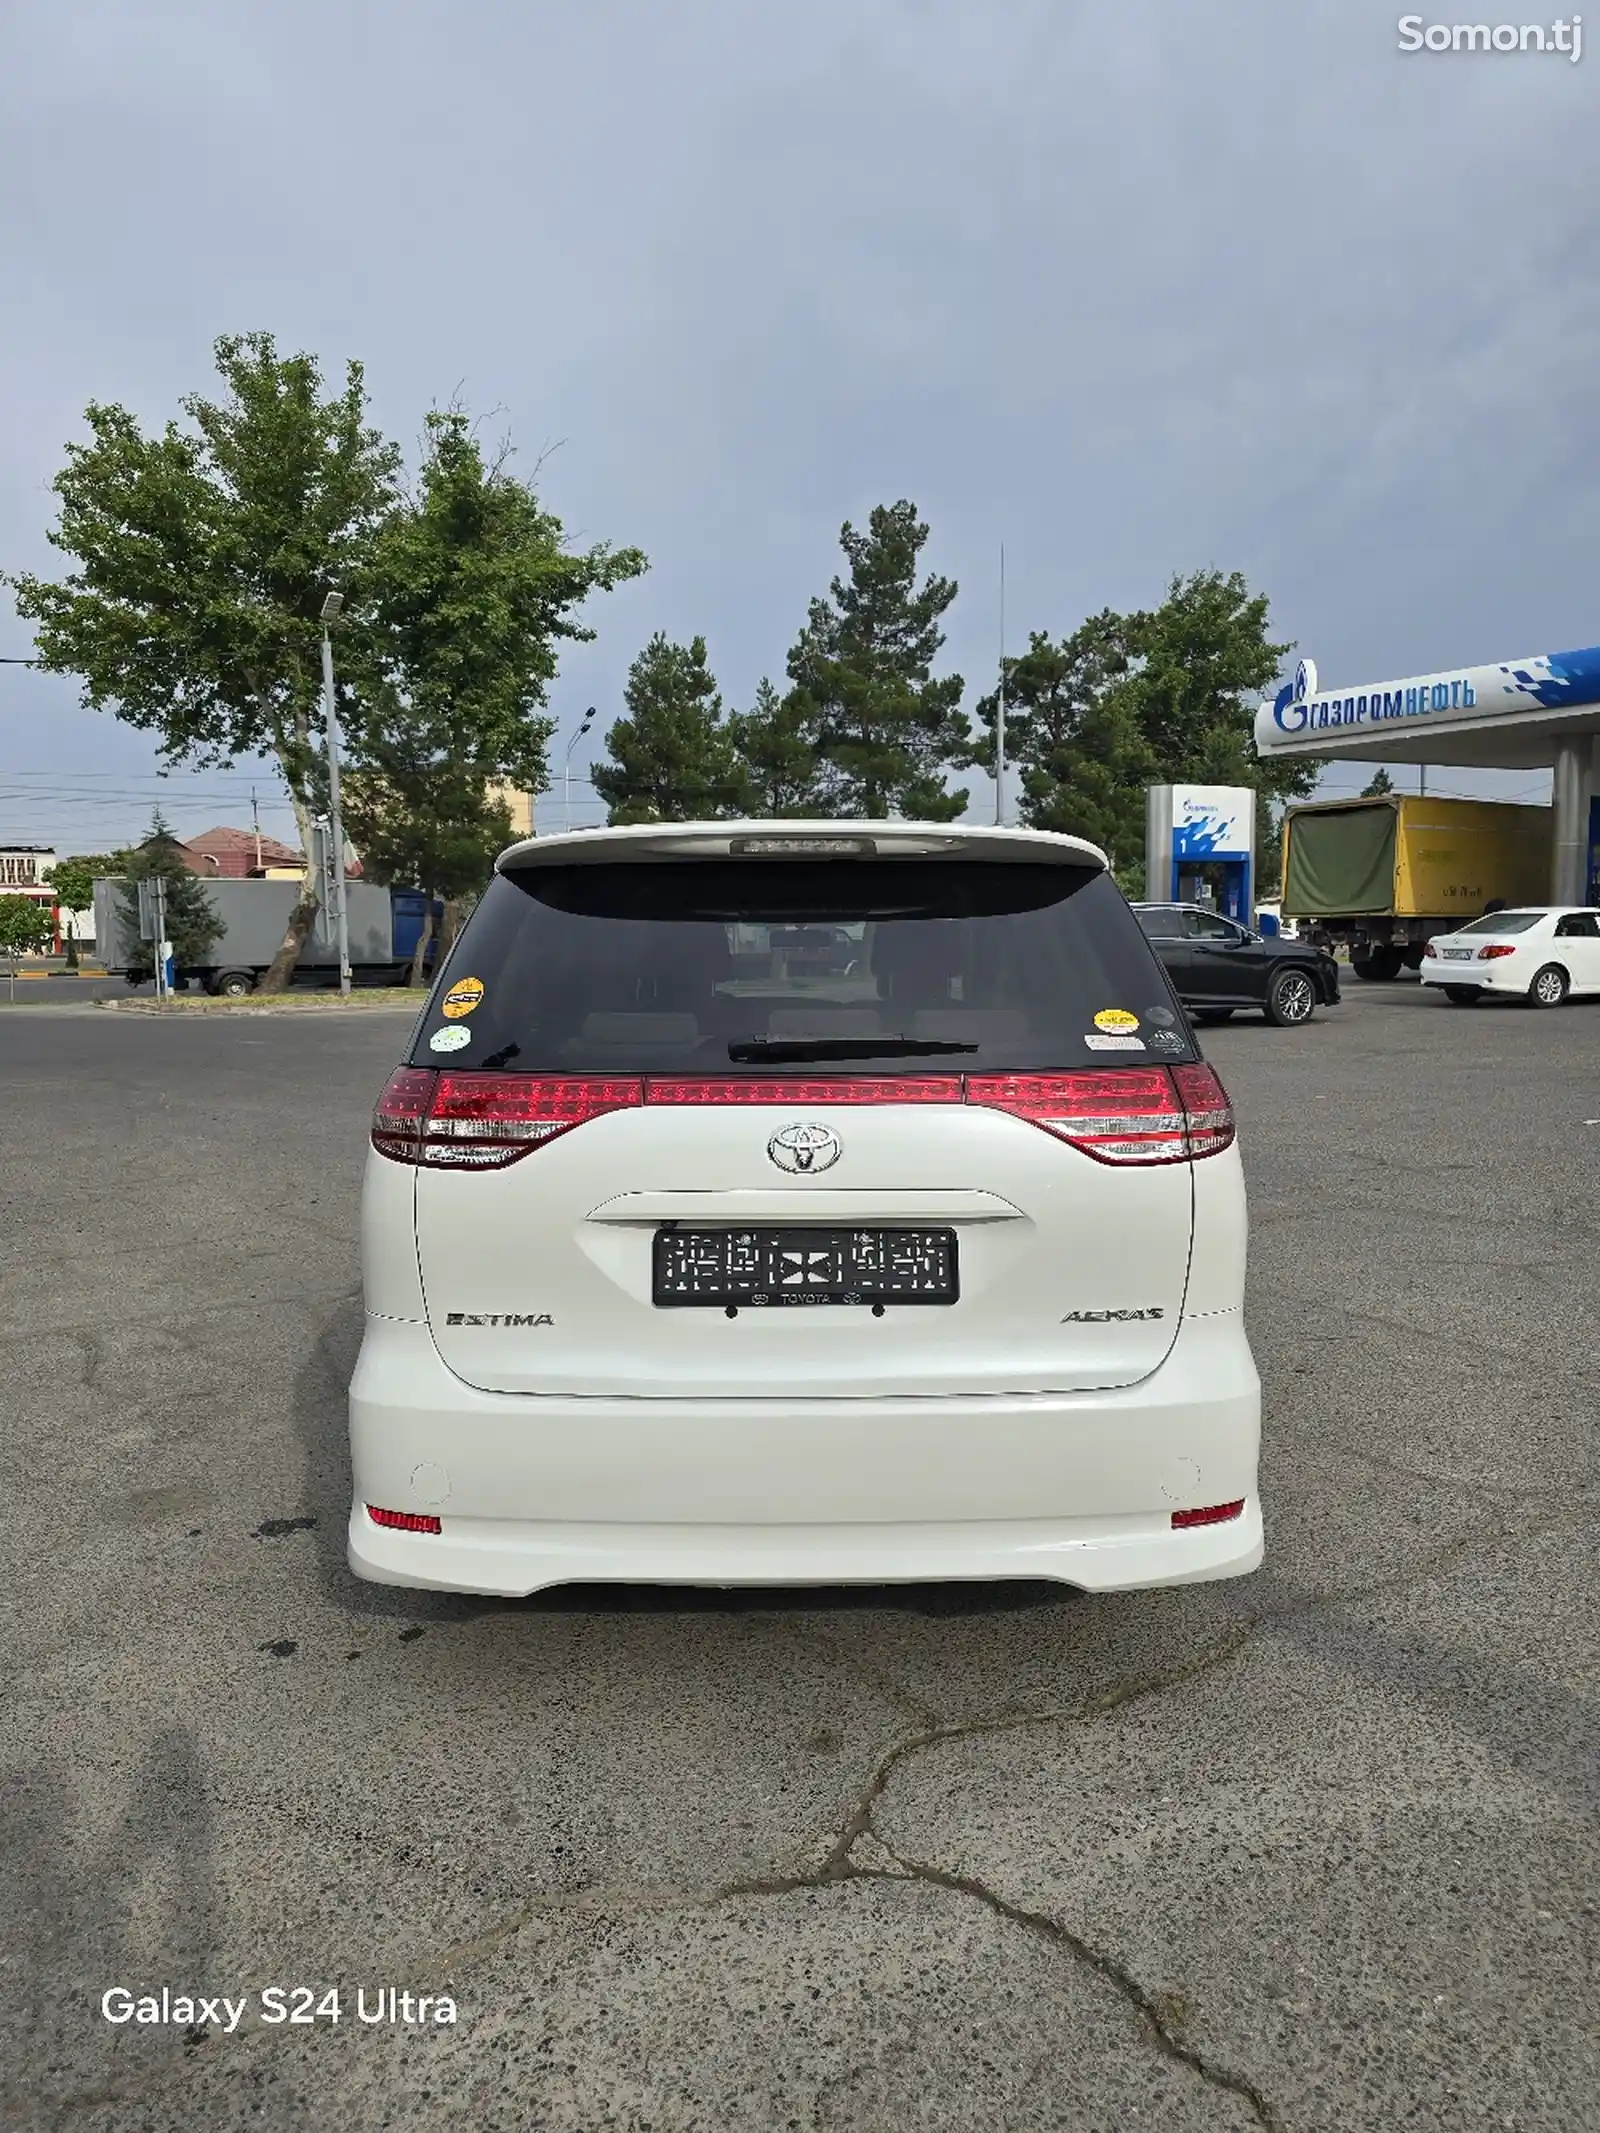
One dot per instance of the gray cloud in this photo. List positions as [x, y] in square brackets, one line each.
[1129, 287]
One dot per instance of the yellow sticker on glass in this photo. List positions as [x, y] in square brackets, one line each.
[1108, 1018]
[463, 998]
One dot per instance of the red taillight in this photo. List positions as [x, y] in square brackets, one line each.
[1212, 1514]
[1495, 948]
[1206, 1107]
[485, 1121]
[907, 1089]
[404, 1521]
[1119, 1114]
[401, 1109]
[1115, 1114]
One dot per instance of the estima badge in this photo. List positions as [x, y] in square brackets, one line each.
[804, 1148]
[498, 1318]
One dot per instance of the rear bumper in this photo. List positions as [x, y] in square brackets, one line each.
[1487, 977]
[533, 1491]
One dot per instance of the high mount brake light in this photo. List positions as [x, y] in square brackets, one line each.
[1119, 1114]
[1145, 1114]
[790, 1089]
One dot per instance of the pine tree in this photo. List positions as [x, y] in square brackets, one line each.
[778, 760]
[882, 729]
[1381, 783]
[1076, 755]
[673, 757]
[193, 926]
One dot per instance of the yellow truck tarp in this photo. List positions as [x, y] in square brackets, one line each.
[1406, 855]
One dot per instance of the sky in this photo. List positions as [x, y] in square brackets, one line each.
[1125, 287]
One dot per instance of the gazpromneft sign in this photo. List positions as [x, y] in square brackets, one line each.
[1548, 681]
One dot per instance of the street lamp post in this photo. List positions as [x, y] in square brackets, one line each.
[566, 809]
[1000, 710]
[331, 608]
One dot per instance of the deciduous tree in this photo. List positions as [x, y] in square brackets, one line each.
[202, 558]
[26, 926]
[1074, 752]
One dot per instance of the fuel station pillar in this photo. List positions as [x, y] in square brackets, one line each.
[1200, 847]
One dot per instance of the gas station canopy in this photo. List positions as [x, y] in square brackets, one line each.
[1541, 713]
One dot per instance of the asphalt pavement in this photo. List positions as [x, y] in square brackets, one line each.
[1315, 1849]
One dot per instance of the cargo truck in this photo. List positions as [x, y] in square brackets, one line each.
[1379, 876]
[384, 927]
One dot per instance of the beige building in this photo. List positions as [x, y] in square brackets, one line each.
[521, 806]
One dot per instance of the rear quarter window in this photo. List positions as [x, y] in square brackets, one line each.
[827, 967]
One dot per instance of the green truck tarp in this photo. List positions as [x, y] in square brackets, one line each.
[1341, 862]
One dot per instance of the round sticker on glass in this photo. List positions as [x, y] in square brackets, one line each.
[463, 998]
[1117, 1018]
[448, 1039]
[1162, 1017]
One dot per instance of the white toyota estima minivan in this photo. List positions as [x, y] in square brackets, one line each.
[798, 1203]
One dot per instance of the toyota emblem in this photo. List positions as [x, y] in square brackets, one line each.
[804, 1148]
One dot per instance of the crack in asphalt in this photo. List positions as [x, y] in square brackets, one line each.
[841, 1866]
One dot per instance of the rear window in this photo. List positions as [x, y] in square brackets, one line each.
[742, 966]
[1503, 922]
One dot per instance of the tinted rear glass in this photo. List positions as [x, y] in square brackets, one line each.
[1503, 922]
[833, 967]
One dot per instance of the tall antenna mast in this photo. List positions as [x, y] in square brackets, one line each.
[1000, 707]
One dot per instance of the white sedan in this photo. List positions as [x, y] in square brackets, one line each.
[1544, 956]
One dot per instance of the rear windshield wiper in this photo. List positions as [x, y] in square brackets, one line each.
[750, 1050]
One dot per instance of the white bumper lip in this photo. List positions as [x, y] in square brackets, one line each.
[1436, 971]
[534, 1491]
[513, 1559]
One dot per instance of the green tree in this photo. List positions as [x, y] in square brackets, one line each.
[882, 729]
[1201, 662]
[427, 821]
[1167, 696]
[193, 926]
[1074, 752]
[73, 880]
[204, 555]
[470, 593]
[27, 926]
[672, 757]
[203, 558]
[1381, 783]
[779, 762]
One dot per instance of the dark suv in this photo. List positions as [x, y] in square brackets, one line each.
[1216, 966]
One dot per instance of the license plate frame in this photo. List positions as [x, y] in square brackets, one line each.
[783, 1266]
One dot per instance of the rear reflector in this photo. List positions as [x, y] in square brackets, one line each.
[1213, 1514]
[1135, 1114]
[404, 1521]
